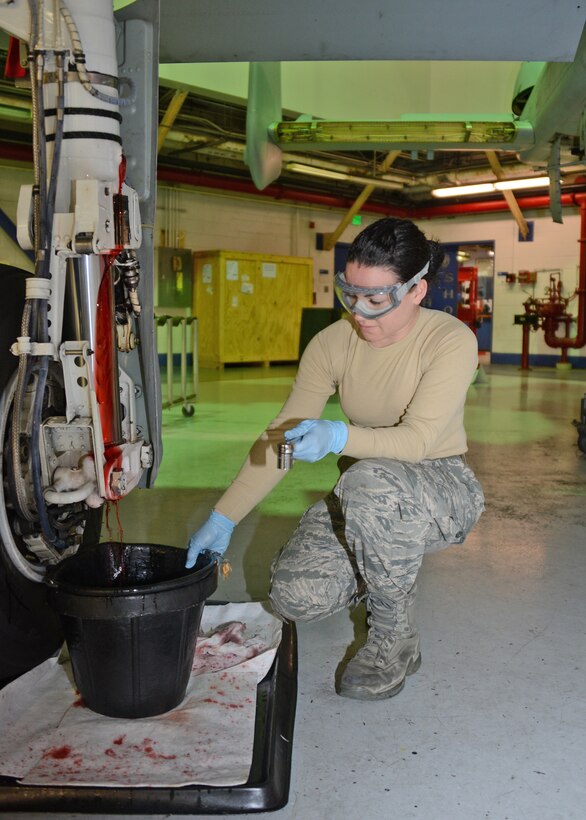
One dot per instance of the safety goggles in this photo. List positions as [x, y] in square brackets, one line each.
[371, 303]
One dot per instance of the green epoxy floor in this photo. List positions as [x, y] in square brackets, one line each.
[494, 723]
[231, 411]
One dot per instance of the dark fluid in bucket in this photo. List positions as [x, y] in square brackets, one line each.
[131, 615]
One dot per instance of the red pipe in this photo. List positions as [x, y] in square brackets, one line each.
[22, 153]
[273, 191]
[280, 192]
[18, 153]
[579, 340]
[525, 348]
[529, 202]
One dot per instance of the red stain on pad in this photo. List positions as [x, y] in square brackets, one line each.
[58, 752]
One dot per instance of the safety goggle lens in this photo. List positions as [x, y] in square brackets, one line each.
[372, 303]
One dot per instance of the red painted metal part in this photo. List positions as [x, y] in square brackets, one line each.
[106, 364]
[13, 69]
[579, 340]
[525, 348]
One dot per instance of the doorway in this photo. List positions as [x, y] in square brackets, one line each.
[466, 288]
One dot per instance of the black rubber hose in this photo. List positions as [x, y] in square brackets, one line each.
[48, 531]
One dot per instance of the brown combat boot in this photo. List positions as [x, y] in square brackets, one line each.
[391, 651]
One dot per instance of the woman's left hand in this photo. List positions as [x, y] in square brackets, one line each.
[313, 439]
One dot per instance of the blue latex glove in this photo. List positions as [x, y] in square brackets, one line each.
[214, 536]
[313, 439]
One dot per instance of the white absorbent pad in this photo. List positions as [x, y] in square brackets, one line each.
[50, 738]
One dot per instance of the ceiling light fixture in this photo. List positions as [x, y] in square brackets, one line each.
[311, 170]
[298, 168]
[491, 187]
[519, 184]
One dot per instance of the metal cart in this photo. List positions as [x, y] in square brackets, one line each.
[180, 317]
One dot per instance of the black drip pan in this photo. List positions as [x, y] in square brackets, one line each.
[267, 787]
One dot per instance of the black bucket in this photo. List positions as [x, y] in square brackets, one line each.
[131, 614]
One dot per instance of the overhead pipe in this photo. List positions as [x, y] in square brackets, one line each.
[488, 206]
[278, 192]
[21, 153]
[16, 152]
[184, 177]
[413, 212]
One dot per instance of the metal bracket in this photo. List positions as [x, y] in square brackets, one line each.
[555, 187]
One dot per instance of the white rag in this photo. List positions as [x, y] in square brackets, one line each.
[50, 737]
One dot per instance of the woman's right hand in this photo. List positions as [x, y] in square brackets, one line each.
[313, 439]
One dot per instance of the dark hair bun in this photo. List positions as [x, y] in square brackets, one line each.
[397, 245]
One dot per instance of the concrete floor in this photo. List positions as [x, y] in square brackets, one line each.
[494, 723]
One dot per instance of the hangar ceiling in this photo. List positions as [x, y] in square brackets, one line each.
[208, 139]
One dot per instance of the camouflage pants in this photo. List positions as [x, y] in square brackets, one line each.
[369, 535]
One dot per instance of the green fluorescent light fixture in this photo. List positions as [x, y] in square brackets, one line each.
[440, 135]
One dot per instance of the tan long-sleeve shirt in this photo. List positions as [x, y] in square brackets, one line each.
[403, 401]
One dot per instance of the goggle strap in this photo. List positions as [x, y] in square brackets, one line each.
[406, 286]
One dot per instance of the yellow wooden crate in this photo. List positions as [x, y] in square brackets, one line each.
[249, 305]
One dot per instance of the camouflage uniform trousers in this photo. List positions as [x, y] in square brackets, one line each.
[369, 535]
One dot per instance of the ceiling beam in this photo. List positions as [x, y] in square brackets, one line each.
[330, 239]
[509, 196]
[170, 116]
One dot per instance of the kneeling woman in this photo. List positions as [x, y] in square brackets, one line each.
[402, 373]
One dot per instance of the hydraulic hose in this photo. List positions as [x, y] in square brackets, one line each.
[43, 324]
[69, 496]
[48, 532]
[35, 314]
[59, 127]
[21, 383]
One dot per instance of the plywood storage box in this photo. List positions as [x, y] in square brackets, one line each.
[249, 305]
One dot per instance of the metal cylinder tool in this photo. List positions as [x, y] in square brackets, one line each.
[285, 456]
